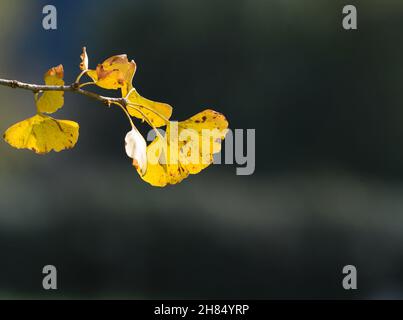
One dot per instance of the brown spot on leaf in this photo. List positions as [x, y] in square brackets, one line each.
[135, 163]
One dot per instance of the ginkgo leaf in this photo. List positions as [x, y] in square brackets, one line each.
[187, 148]
[117, 73]
[210, 127]
[160, 173]
[156, 112]
[51, 101]
[42, 134]
[114, 73]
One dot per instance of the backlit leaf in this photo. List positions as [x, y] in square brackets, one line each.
[151, 109]
[114, 73]
[187, 148]
[42, 134]
[51, 101]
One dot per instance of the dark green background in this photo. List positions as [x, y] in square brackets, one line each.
[327, 106]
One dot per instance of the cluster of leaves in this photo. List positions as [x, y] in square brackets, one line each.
[42, 133]
[164, 161]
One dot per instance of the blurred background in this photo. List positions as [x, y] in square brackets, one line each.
[327, 106]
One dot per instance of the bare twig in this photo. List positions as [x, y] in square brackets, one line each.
[69, 88]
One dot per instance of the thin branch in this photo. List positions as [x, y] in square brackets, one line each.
[69, 88]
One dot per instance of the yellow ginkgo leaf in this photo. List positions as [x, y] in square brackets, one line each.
[210, 127]
[160, 173]
[114, 73]
[51, 101]
[42, 134]
[187, 148]
[156, 112]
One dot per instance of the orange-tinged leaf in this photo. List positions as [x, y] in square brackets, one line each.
[51, 101]
[114, 73]
[84, 60]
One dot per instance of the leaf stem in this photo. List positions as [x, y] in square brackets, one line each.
[149, 122]
[145, 107]
[86, 84]
[80, 75]
[138, 106]
[127, 114]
